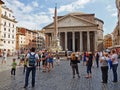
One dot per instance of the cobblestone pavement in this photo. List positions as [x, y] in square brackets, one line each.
[60, 78]
[7, 66]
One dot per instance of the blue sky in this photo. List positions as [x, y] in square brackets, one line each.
[35, 14]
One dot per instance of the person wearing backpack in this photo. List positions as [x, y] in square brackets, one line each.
[31, 59]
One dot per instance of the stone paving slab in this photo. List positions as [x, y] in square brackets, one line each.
[60, 78]
[7, 66]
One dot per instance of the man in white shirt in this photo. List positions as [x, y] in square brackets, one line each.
[31, 59]
[114, 65]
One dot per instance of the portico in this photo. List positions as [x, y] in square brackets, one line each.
[77, 32]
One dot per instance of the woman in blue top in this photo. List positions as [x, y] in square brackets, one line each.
[50, 61]
[84, 58]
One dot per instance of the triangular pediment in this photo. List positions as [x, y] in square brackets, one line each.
[70, 20]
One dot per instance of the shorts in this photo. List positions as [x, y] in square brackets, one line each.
[44, 62]
[5, 58]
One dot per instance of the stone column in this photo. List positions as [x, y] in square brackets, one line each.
[95, 37]
[88, 41]
[73, 41]
[81, 42]
[66, 41]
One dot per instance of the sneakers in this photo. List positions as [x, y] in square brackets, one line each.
[33, 86]
[86, 76]
[78, 76]
[104, 82]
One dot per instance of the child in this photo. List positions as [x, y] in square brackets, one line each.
[13, 70]
[58, 60]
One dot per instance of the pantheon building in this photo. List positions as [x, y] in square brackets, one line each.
[77, 32]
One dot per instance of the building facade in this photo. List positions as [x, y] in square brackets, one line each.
[116, 36]
[117, 28]
[25, 39]
[8, 30]
[1, 3]
[108, 41]
[77, 32]
[40, 40]
[20, 39]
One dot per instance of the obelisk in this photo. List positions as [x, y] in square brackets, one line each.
[55, 22]
[55, 46]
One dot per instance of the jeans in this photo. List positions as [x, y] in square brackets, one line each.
[29, 69]
[89, 69]
[75, 68]
[114, 69]
[97, 62]
[104, 73]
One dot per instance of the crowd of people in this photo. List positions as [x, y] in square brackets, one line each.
[32, 60]
[104, 60]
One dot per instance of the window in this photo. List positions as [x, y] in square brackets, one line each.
[9, 42]
[8, 36]
[4, 29]
[12, 42]
[13, 36]
[4, 23]
[4, 41]
[5, 13]
[9, 30]
[9, 15]
[9, 24]
[4, 35]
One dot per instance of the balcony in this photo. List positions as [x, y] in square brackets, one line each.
[6, 17]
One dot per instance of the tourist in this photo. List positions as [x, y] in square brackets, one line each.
[57, 58]
[39, 61]
[114, 58]
[25, 66]
[4, 57]
[31, 59]
[104, 67]
[50, 62]
[44, 62]
[89, 62]
[97, 58]
[13, 69]
[84, 58]
[74, 64]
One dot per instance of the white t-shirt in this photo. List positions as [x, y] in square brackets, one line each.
[4, 53]
[104, 61]
[115, 57]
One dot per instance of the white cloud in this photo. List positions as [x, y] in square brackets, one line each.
[27, 9]
[112, 10]
[72, 6]
[26, 18]
[35, 4]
